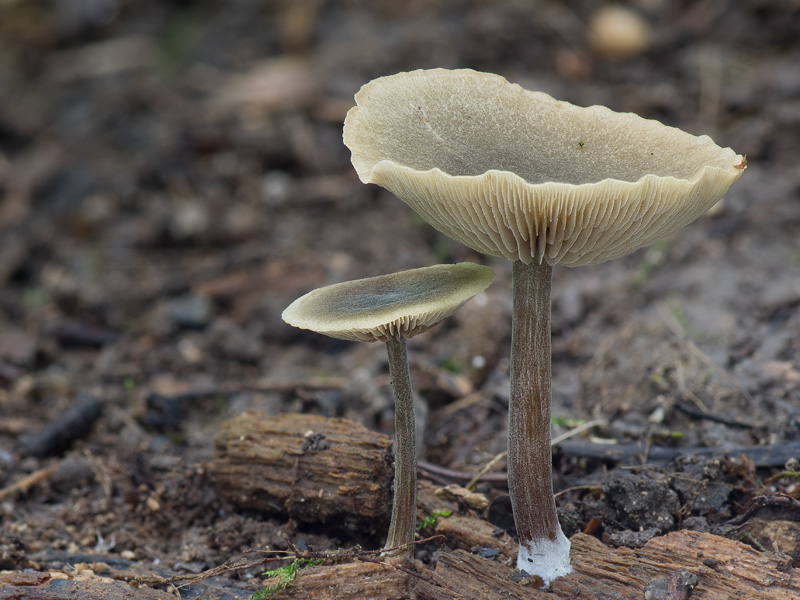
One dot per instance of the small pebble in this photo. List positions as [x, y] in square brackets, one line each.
[488, 552]
[618, 32]
[190, 310]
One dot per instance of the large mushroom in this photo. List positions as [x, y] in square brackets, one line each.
[390, 309]
[517, 174]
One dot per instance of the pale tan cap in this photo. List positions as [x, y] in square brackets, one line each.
[377, 308]
[517, 174]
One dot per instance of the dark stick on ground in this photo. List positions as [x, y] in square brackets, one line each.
[771, 455]
[72, 425]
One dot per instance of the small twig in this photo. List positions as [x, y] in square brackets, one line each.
[788, 507]
[577, 488]
[244, 564]
[648, 440]
[436, 472]
[672, 323]
[659, 470]
[402, 546]
[226, 567]
[27, 482]
[579, 429]
[377, 561]
[781, 475]
[429, 468]
[699, 414]
[59, 433]
[273, 384]
[556, 440]
[685, 391]
[461, 404]
[473, 482]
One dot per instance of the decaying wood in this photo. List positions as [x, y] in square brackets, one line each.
[689, 564]
[725, 569]
[376, 581]
[312, 468]
[428, 501]
[463, 575]
[316, 468]
[679, 585]
[469, 532]
[683, 564]
[61, 586]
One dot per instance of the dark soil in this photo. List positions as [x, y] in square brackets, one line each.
[172, 176]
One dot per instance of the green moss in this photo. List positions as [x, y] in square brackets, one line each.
[285, 576]
[567, 422]
[431, 519]
[452, 365]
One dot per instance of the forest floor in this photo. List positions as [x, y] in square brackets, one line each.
[172, 176]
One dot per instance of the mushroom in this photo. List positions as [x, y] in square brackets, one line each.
[391, 308]
[517, 174]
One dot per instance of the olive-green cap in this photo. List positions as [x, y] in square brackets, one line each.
[400, 304]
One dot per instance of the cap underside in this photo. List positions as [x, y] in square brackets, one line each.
[517, 174]
[377, 308]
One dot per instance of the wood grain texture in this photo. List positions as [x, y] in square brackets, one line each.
[350, 581]
[312, 468]
[725, 569]
[468, 532]
[461, 575]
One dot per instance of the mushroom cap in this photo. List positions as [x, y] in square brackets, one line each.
[518, 174]
[377, 308]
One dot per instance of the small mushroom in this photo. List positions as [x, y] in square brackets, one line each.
[517, 174]
[391, 308]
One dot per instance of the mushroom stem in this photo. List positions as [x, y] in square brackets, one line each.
[404, 509]
[543, 548]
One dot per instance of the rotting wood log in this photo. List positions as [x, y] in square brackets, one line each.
[428, 501]
[59, 586]
[357, 580]
[312, 468]
[713, 568]
[725, 569]
[460, 575]
[469, 532]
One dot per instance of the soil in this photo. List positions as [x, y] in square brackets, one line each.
[172, 176]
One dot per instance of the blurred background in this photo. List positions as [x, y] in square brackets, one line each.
[172, 176]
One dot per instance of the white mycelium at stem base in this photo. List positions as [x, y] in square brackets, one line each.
[543, 548]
